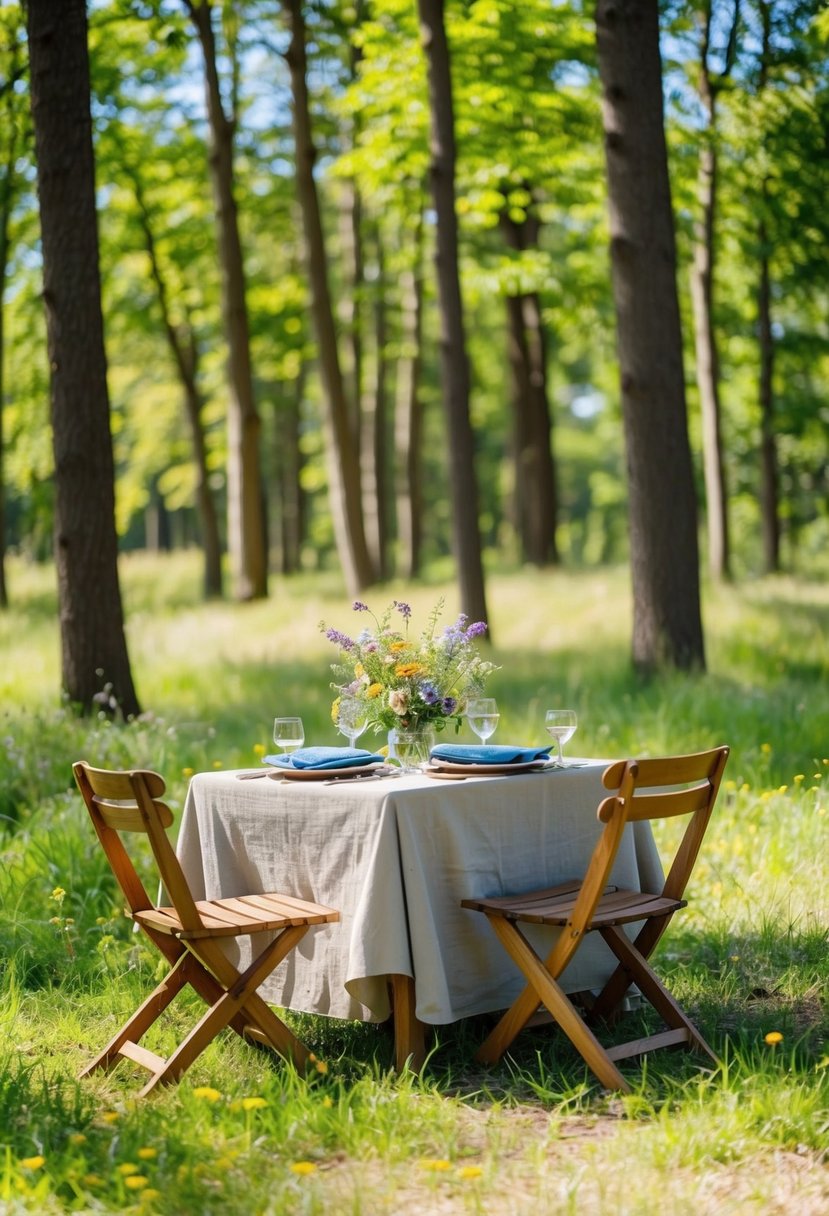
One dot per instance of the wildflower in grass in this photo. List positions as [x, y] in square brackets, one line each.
[254, 1103]
[207, 1093]
[259, 749]
[773, 1038]
[93, 1180]
[33, 1163]
[799, 777]
[150, 1194]
[328, 1101]
[303, 1167]
[321, 1067]
[136, 1182]
[217, 764]
[470, 1171]
[187, 772]
[77, 1138]
[110, 1116]
[126, 1168]
[147, 1154]
[437, 1165]
[58, 895]
[765, 748]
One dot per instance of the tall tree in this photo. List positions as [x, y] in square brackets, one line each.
[343, 463]
[93, 645]
[667, 627]
[710, 83]
[246, 517]
[453, 354]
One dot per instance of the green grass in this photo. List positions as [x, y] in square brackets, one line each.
[243, 1133]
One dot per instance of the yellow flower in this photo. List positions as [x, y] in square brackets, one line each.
[470, 1171]
[799, 777]
[33, 1163]
[137, 1182]
[77, 1138]
[765, 748]
[303, 1167]
[437, 1165]
[187, 772]
[110, 1116]
[207, 1092]
[404, 670]
[335, 710]
[217, 764]
[773, 1038]
[396, 647]
[328, 1101]
[259, 749]
[253, 1103]
[321, 1067]
[151, 1193]
[359, 670]
[58, 895]
[147, 1154]
[127, 1167]
[93, 1180]
[374, 690]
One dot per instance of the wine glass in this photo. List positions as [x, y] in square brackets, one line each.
[352, 718]
[482, 715]
[561, 724]
[288, 734]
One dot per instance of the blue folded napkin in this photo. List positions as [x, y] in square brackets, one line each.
[324, 757]
[488, 753]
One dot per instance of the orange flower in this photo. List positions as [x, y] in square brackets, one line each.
[404, 670]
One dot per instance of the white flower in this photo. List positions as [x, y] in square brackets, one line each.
[399, 701]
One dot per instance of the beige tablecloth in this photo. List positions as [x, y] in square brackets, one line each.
[396, 857]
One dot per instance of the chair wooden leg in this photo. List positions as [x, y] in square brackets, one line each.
[611, 996]
[552, 996]
[643, 975]
[409, 1033]
[144, 1016]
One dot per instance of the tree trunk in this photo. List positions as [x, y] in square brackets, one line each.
[667, 628]
[374, 448]
[343, 463]
[702, 298]
[535, 495]
[769, 482]
[184, 349]
[288, 460]
[246, 522]
[453, 355]
[94, 660]
[408, 412]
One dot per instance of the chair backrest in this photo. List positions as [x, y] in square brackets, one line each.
[122, 802]
[687, 785]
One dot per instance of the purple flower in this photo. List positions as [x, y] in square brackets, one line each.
[449, 705]
[359, 606]
[339, 639]
[475, 630]
[429, 694]
[404, 609]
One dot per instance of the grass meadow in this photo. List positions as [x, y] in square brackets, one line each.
[243, 1133]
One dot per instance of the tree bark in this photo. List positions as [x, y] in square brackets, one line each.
[288, 461]
[667, 628]
[408, 412]
[246, 523]
[535, 494]
[94, 661]
[453, 354]
[375, 446]
[181, 341]
[702, 297]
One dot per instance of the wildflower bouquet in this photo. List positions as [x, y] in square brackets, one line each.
[406, 682]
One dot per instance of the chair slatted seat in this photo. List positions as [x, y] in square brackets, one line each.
[189, 932]
[650, 789]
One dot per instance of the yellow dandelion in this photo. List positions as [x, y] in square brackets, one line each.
[259, 749]
[93, 1180]
[187, 772]
[405, 670]
[773, 1038]
[303, 1167]
[781, 789]
[77, 1138]
[470, 1171]
[126, 1168]
[765, 748]
[396, 647]
[150, 1194]
[33, 1163]
[136, 1182]
[58, 894]
[207, 1092]
[798, 777]
[110, 1116]
[328, 1101]
[147, 1154]
[374, 690]
[436, 1165]
[253, 1103]
[321, 1067]
[217, 764]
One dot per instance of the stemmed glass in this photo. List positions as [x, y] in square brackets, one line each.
[288, 734]
[482, 715]
[561, 724]
[352, 718]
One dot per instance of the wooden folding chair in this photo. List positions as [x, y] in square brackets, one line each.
[687, 785]
[189, 932]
